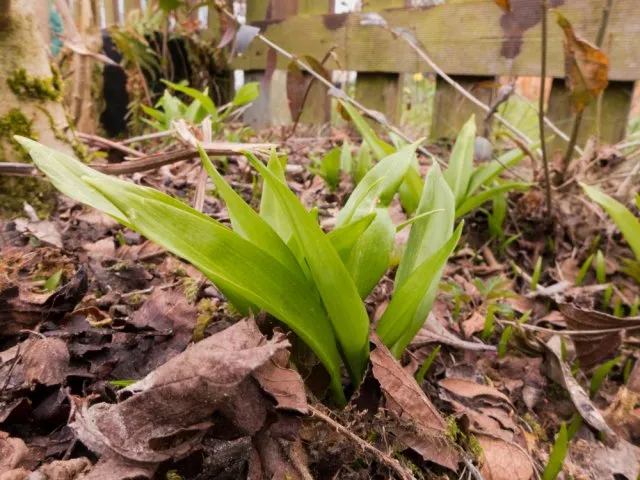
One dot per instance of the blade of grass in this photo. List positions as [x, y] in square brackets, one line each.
[471, 203]
[458, 173]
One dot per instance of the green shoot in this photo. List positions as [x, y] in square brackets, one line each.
[424, 368]
[535, 278]
[600, 374]
[584, 269]
[626, 372]
[606, 297]
[504, 341]
[53, 281]
[558, 454]
[489, 321]
[574, 426]
[618, 309]
[600, 267]
[633, 311]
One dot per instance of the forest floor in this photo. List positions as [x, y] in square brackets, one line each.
[87, 307]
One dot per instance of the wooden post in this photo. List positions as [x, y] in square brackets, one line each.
[129, 6]
[616, 104]
[111, 12]
[451, 110]
[380, 91]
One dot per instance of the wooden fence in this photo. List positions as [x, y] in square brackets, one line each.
[474, 41]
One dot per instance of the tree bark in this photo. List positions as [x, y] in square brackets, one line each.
[30, 105]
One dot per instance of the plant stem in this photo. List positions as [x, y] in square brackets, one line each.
[543, 78]
[604, 21]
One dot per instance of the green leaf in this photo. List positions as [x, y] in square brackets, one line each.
[169, 5]
[458, 173]
[346, 157]
[504, 341]
[558, 453]
[398, 324]
[600, 374]
[202, 97]
[622, 217]
[338, 291]
[485, 174]
[232, 263]
[246, 222]
[471, 203]
[380, 148]
[370, 256]
[53, 281]
[363, 163]
[269, 207]
[424, 368]
[65, 174]
[382, 181]
[411, 189]
[344, 238]
[247, 94]
[330, 167]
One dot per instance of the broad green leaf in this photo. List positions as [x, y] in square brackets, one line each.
[470, 203]
[330, 167]
[397, 322]
[229, 261]
[247, 93]
[344, 238]
[65, 174]
[411, 190]
[153, 113]
[346, 157]
[202, 97]
[380, 148]
[363, 163]
[430, 233]
[558, 453]
[270, 209]
[53, 281]
[194, 112]
[339, 294]
[387, 175]
[458, 173]
[485, 174]
[600, 374]
[246, 222]
[370, 256]
[172, 106]
[622, 217]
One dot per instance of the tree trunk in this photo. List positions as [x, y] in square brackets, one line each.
[30, 105]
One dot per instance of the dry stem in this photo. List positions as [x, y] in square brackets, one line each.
[543, 143]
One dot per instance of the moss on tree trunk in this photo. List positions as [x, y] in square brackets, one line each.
[30, 105]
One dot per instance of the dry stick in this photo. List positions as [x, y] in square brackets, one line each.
[390, 462]
[578, 118]
[105, 142]
[339, 93]
[567, 333]
[543, 76]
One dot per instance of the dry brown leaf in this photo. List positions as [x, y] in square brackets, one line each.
[283, 384]
[591, 349]
[503, 460]
[472, 390]
[561, 374]
[475, 323]
[170, 409]
[12, 452]
[407, 400]
[433, 332]
[46, 361]
[586, 67]
[597, 460]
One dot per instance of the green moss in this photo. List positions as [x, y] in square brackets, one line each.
[191, 287]
[202, 323]
[26, 87]
[173, 475]
[536, 428]
[474, 447]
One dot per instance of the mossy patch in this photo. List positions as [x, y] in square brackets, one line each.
[38, 88]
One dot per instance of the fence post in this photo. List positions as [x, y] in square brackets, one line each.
[129, 5]
[317, 108]
[381, 91]
[111, 12]
[616, 105]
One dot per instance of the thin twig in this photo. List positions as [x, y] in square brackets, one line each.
[377, 116]
[567, 333]
[579, 116]
[390, 462]
[543, 77]
[105, 142]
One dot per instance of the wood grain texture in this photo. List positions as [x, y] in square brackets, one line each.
[464, 37]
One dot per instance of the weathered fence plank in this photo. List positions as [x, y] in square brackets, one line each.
[464, 37]
[381, 91]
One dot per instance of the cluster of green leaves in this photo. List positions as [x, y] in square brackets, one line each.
[341, 160]
[472, 186]
[280, 260]
[171, 108]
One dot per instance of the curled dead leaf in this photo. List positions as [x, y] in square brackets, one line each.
[504, 460]
[409, 403]
[586, 67]
[46, 361]
[592, 348]
[12, 452]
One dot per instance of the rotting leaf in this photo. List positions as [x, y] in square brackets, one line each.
[433, 332]
[12, 452]
[407, 400]
[592, 348]
[283, 384]
[586, 67]
[169, 409]
[578, 396]
[472, 390]
[46, 361]
[504, 460]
